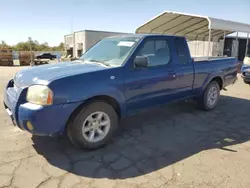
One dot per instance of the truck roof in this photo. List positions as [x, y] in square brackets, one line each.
[144, 35]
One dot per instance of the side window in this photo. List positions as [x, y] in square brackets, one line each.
[160, 44]
[148, 49]
[182, 51]
[156, 51]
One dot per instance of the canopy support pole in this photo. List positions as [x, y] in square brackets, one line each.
[203, 48]
[246, 50]
[237, 46]
[209, 41]
[223, 45]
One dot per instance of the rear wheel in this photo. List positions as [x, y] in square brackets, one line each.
[94, 126]
[210, 97]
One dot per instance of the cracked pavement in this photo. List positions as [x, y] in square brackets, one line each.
[174, 146]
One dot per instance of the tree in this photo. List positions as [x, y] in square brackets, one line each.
[35, 46]
[22, 46]
[3, 44]
[44, 47]
[60, 47]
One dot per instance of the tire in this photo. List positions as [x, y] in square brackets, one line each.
[246, 82]
[76, 126]
[204, 102]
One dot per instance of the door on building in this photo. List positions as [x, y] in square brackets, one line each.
[70, 52]
[242, 49]
[228, 47]
[79, 53]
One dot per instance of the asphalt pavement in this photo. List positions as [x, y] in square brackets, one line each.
[175, 146]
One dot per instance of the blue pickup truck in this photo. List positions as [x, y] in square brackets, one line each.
[118, 76]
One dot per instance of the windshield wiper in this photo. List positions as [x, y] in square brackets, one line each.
[98, 61]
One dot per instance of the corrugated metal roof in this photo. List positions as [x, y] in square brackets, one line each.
[193, 27]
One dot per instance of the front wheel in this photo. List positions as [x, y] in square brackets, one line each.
[210, 97]
[94, 126]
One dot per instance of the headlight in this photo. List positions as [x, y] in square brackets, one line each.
[246, 60]
[39, 94]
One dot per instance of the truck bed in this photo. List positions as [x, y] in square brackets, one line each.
[204, 68]
[210, 58]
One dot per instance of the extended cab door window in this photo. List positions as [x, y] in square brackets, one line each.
[183, 68]
[182, 51]
[157, 52]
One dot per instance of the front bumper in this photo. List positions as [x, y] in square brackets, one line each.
[45, 120]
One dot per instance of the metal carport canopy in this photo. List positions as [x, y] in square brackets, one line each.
[193, 27]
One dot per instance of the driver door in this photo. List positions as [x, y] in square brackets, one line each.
[151, 86]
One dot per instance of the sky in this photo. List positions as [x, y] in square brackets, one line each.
[49, 20]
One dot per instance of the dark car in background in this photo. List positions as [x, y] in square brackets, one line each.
[246, 76]
[46, 56]
[245, 70]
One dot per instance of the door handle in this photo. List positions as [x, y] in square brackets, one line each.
[172, 74]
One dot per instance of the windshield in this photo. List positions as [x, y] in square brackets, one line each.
[110, 51]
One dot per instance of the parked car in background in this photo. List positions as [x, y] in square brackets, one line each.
[46, 56]
[117, 77]
[245, 70]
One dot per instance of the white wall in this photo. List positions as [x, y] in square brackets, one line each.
[68, 40]
[200, 48]
[79, 38]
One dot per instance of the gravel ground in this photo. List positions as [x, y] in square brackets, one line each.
[175, 146]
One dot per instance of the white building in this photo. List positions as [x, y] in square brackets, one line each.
[80, 41]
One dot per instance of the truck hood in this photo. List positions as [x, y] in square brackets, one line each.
[46, 73]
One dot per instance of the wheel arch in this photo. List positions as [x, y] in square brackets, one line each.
[219, 80]
[215, 76]
[105, 98]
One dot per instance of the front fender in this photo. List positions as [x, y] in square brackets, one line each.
[112, 92]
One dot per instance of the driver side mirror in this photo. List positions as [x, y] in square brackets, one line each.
[141, 62]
